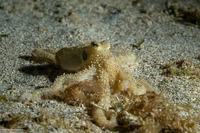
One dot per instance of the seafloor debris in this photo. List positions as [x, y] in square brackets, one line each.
[182, 14]
[182, 68]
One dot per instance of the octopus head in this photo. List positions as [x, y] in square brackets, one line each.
[73, 58]
[100, 46]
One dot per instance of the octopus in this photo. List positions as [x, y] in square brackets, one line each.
[101, 80]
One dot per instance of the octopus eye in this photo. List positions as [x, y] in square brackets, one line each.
[84, 55]
[95, 44]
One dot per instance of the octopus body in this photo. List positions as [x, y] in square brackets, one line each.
[103, 83]
[98, 73]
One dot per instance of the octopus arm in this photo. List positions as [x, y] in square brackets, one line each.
[127, 60]
[60, 84]
[100, 113]
[132, 85]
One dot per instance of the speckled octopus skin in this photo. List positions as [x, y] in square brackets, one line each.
[99, 74]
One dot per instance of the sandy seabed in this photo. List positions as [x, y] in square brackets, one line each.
[29, 24]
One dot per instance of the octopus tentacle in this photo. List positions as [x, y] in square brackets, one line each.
[60, 85]
[101, 115]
